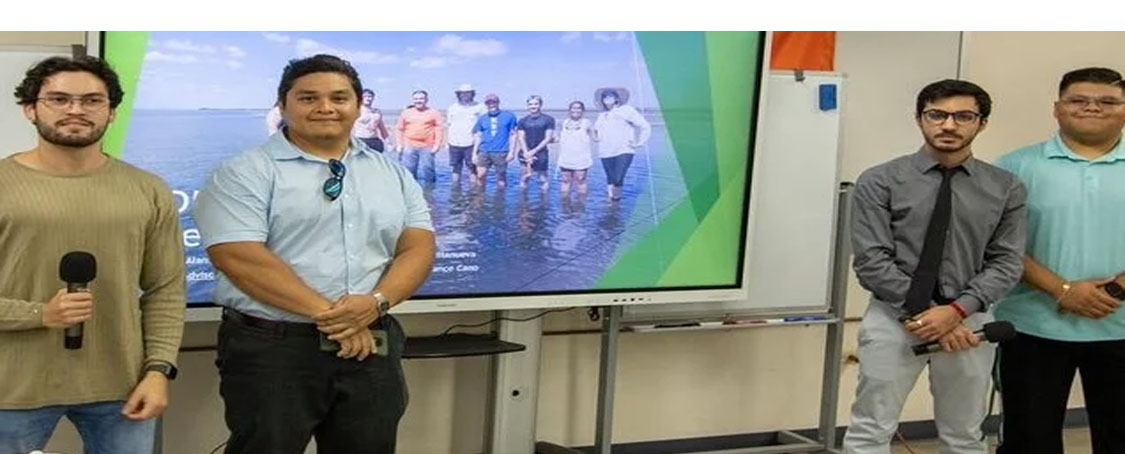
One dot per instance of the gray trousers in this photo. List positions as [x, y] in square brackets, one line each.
[888, 370]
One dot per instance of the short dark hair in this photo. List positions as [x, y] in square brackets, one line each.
[28, 91]
[949, 88]
[423, 92]
[1096, 75]
[320, 63]
[368, 91]
[581, 105]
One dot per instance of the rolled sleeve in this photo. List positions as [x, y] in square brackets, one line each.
[234, 205]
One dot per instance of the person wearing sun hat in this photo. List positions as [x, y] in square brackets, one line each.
[620, 131]
[460, 118]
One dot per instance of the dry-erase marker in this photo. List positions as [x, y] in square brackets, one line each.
[757, 321]
[807, 318]
[677, 325]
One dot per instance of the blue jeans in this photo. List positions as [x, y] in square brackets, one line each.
[420, 162]
[102, 427]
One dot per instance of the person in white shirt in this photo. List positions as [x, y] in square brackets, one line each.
[620, 131]
[575, 152]
[460, 118]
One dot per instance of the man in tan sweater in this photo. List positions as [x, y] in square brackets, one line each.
[66, 195]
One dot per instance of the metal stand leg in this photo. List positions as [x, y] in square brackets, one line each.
[830, 389]
[834, 338]
[607, 378]
[515, 387]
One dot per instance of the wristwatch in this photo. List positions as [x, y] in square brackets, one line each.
[1115, 290]
[167, 369]
[382, 303]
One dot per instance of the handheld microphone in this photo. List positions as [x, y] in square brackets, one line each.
[992, 332]
[77, 269]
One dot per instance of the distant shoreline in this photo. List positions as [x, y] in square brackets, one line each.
[562, 111]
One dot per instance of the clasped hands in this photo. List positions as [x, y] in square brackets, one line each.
[943, 324]
[347, 323]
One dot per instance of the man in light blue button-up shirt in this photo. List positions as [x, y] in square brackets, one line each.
[1065, 314]
[316, 237]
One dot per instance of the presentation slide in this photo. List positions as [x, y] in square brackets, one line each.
[666, 117]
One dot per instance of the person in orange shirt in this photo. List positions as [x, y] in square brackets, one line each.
[418, 137]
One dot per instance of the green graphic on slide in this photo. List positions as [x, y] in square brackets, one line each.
[705, 82]
[127, 54]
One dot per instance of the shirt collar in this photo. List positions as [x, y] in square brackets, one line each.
[1056, 148]
[280, 148]
[925, 162]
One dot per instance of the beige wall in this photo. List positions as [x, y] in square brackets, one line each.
[670, 385]
[43, 38]
[1021, 70]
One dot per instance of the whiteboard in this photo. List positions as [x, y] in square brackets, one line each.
[18, 133]
[794, 188]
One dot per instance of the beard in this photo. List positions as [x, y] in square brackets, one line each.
[961, 143]
[56, 136]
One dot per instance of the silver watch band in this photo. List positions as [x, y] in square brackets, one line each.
[382, 303]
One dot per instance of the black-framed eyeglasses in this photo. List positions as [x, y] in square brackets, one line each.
[334, 185]
[961, 117]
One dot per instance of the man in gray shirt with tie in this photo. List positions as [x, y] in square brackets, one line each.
[938, 237]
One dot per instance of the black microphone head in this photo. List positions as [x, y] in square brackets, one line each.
[78, 266]
[999, 331]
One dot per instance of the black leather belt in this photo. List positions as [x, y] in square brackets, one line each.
[274, 327]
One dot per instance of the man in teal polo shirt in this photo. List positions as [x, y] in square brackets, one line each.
[1064, 308]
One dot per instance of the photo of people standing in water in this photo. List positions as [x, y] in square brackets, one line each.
[543, 155]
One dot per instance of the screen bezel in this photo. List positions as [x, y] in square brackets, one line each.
[568, 298]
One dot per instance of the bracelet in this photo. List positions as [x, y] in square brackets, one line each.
[959, 309]
[1066, 290]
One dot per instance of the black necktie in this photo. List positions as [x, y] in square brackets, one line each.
[924, 282]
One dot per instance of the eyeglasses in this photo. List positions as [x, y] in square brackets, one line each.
[1080, 102]
[89, 103]
[334, 185]
[961, 117]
